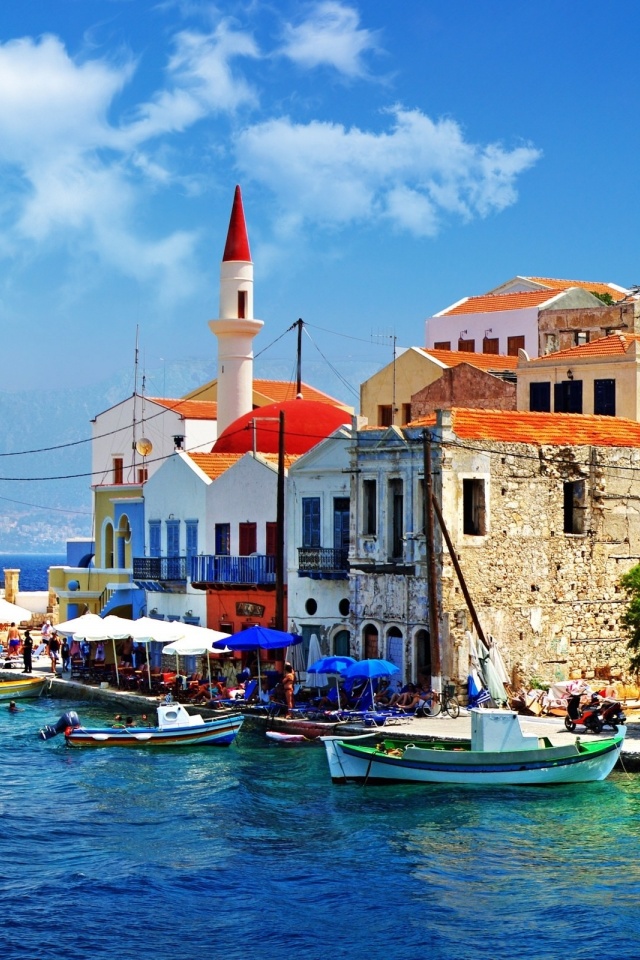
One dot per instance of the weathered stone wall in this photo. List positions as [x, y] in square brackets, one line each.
[464, 386]
[549, 598]
[562, 325]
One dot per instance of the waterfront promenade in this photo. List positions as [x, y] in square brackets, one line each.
[413, 728]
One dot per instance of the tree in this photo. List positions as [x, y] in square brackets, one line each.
[605, 297]
[630, 619]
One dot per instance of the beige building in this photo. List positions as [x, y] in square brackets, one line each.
[601, 377]
[385, 398]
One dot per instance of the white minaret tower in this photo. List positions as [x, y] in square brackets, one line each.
[236, 327]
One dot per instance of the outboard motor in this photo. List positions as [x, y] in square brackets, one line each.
[66, 722]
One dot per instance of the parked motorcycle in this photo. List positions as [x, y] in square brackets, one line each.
[611, 713]
[588, 715]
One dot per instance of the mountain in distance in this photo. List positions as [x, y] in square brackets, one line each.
[45, 495]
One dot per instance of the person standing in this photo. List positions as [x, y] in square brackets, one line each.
[288, 682]
[65, 653]
[54, 650]
[13, 636]
[27, 652]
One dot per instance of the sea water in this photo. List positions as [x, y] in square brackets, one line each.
[33, 567]
[250, 851]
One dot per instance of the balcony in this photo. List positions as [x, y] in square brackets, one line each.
[160, 569]
[323, 563]
[222, 571]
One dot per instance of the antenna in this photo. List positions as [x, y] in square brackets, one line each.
[135, 398]
[389, 337]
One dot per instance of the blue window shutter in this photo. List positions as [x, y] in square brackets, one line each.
[155, 534]
[311, 521]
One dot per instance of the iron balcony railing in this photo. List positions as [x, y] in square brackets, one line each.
[223, 569]
[160, 568]
[322, 559]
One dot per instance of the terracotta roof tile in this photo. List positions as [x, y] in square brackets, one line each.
[491, 303]
[189, 409]
[538, 429]
[484, 361]
[614, 345]
[277, 391]
[586, 284]
[215, 464]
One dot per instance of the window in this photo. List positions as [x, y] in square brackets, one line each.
[604, 397]
[223, 539]
[192, 538]
[580, 338]
[248, 536]
[173, 538]
[118, 470]
[396, 515]
[406, 413]
[473, 508]
[311, 521]
[242, 304]
[574, 506]
[442, 345]
[155, 535]
[385, 415]
[467, 346]
[341, 523]
[491, 345]
[540, 397]
[369, 508]
[143, 474]
[567, 396]
[513, 345]
[271, 538]
[311, 606]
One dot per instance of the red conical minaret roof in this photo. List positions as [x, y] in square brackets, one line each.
[237, 245]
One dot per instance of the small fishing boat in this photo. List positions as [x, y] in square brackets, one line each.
[176, 728]
[498, 753]
[27, 687]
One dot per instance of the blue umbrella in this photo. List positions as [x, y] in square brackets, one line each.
[335, 665]
[259, 638]
[371, 669]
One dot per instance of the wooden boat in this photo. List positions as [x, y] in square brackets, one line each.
[498, 753]
[176, 728]
[24, 687]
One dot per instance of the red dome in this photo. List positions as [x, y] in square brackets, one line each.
[306, 423]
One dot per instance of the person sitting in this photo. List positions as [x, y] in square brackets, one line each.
[383, 696]
[406, 696]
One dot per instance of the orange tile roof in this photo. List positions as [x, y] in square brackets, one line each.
[552, 429]
[614, 345]
[491, 303]
[189, 409]
[554, 284]
[215, 464]
[483, 361]
[278, 391]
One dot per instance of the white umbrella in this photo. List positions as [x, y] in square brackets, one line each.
[315, 653]
[86, 622]
[104, 628]
[197, 641]
[12, 613]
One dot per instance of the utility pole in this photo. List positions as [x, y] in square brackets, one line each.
[280, 624]
[299, 324]
[432, 579]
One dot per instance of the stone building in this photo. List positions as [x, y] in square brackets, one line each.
[544, 519]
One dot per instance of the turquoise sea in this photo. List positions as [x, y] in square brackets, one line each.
[251, 851]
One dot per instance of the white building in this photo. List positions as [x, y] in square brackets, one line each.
[318, 512]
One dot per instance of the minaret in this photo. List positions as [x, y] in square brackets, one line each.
[236, 327]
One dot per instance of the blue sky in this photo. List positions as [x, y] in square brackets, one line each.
[393, 158]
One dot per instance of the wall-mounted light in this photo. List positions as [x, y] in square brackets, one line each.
[487, 332]
[463, 334]
[569, 374]
[171, 517]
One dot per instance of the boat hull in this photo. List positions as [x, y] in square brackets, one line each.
[17, 689]
[219, 732]
[446, 763]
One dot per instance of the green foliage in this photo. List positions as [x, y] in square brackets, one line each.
[630, 620]
[605, 297]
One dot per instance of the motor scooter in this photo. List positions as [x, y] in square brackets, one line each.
[611, 713]
[588, 715]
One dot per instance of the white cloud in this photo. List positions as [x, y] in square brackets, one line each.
[330, 36]
[79, 177]
[414, 175]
